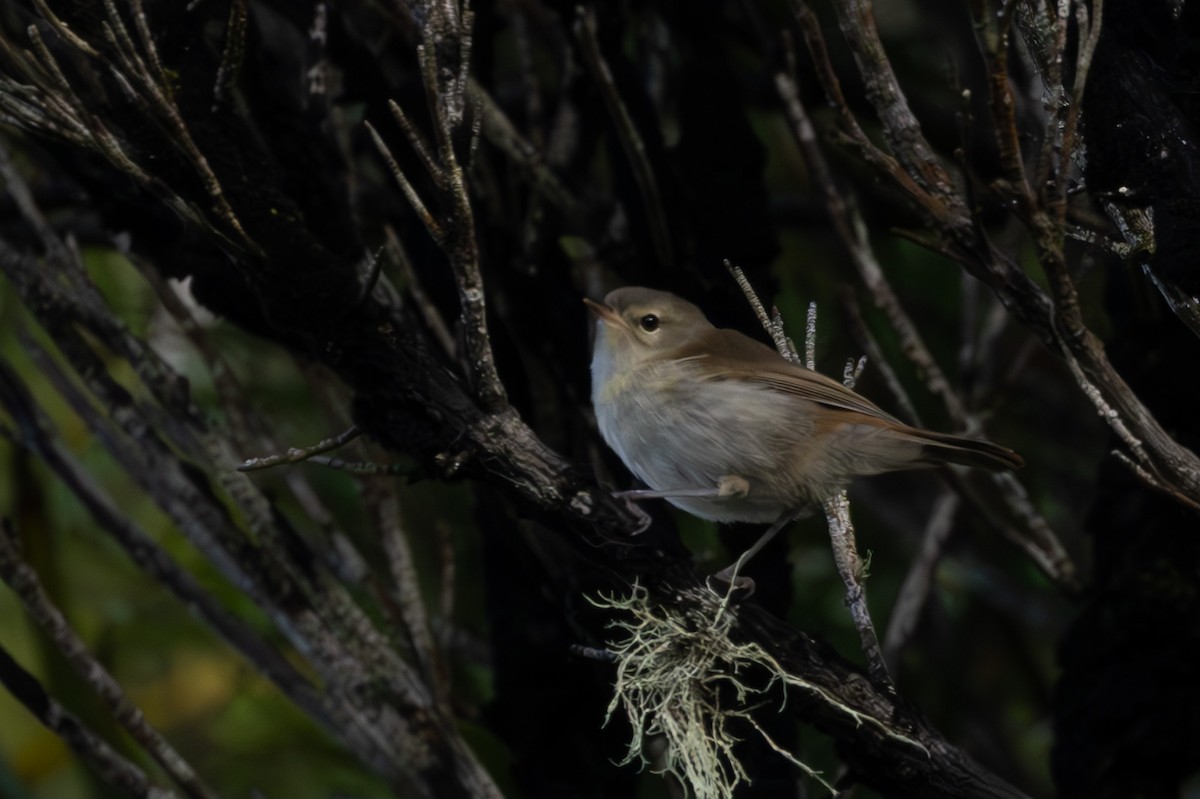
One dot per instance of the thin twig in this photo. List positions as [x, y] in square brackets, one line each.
[1050, 166]
[853, 370]
[109, 765]
[810, 336]
[446, 93]
[994, 44]
[772, 324]
[837, 507]
[233, 54]
[918, 583]
[411, 283]
[406, 587]
[23, 580]
[410, 193]
[866, 339]
[64, 30]
[850, 568]
[851, 230]
[340, 640]
[752, 297]
[448, 574]
[31, 434]
[301, 454]
[900, 127]
[850, 131]
[502, 134]
[627, 133]
[152, 91]
[417, 142]
[361, 468]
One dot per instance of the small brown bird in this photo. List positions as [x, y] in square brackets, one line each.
[725, 428]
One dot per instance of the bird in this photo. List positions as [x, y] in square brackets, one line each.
[725, 428]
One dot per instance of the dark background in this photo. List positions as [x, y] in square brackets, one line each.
[1070, 692]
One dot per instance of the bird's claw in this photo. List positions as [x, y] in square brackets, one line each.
[643, 518]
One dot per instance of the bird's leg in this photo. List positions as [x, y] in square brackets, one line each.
[730, 485]
[731, 574]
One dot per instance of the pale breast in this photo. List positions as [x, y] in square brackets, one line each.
[674, 430]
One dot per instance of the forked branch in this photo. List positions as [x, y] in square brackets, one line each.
[1054, 316]
[444, 57]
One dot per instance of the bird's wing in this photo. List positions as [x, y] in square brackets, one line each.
[729, 355]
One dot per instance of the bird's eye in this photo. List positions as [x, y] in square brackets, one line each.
[649, 323]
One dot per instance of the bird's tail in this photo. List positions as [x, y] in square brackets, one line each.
[937, 448]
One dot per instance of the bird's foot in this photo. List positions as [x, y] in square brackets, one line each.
[729, 582]
[643, 518]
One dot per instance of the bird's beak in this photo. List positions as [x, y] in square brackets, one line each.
[603, 312]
